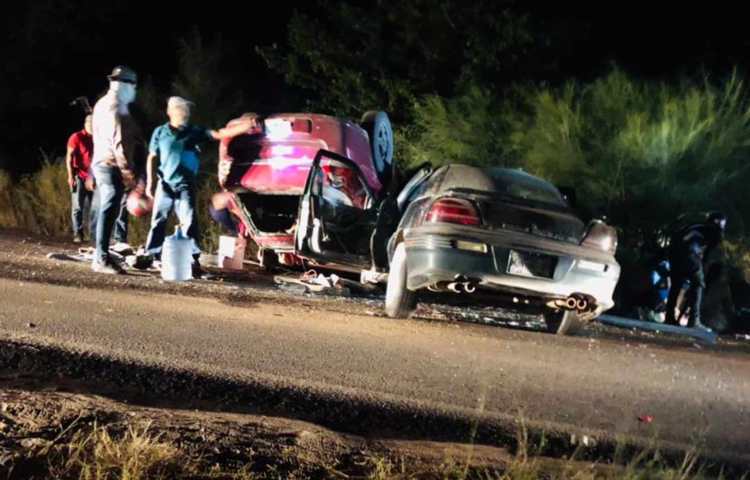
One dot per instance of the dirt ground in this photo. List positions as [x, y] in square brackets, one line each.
[36, 419]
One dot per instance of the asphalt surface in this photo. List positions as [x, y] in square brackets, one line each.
[694, 395]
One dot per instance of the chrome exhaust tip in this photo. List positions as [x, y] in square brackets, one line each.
[571, 303]
[582, 304]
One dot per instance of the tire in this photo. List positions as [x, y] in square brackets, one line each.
[563, 322]
[378, 128]
[399, 301]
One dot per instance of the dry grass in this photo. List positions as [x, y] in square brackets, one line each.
[40, 203]
[135, 455]
[138, 453]
[647, 467]
[529, 464]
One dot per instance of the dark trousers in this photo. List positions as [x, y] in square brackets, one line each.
[692, 285]
[80, 200]
[182, 201]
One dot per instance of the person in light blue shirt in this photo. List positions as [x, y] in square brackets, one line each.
[173, 184]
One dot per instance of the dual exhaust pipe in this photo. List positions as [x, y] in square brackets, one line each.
[577, 302]
[462, 287]
[459, 285]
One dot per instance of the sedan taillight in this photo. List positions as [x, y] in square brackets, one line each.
[601, 236]
[453, 210]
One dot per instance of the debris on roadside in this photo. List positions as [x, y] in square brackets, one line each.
[652, 328]
[584, 440]
[313, 282]
[647, 419]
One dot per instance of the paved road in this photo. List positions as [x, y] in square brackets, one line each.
[694, 394]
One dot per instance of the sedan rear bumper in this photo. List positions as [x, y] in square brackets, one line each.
[433, 259]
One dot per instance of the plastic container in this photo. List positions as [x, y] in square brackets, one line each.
[231, 252]
[177, 257]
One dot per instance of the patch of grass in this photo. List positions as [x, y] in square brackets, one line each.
[107, 453]
[135, 455]
[137, 452]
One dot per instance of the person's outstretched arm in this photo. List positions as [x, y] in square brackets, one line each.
[232, 131]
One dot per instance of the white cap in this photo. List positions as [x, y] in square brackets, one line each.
[178, 102]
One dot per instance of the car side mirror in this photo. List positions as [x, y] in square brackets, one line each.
[569, 194]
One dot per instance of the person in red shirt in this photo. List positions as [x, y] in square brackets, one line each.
[78, 163]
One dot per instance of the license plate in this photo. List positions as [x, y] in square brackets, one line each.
[528, 264]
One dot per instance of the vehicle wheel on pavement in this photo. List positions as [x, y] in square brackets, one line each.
[562, 322]
[378, 127]
[399, 301]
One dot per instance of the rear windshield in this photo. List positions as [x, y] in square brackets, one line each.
[521, 186]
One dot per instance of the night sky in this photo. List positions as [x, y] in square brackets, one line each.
[53, 51]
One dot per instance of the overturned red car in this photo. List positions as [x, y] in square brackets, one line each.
[264, 170]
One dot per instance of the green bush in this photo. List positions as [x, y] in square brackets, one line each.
[639, 152]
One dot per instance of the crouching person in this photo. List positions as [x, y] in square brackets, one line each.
[173, 185]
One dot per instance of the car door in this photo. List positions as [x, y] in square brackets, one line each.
[390, 211]
[337, 214]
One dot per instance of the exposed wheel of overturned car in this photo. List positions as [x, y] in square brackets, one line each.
[562, 322]
[378, 128]
[399, 300]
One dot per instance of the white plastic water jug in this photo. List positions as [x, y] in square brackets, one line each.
[177, 257]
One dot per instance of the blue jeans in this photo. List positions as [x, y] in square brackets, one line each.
[182, 200]
[110, 206]
[121, 222]
[80, 198]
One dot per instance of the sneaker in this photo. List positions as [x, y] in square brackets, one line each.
[140, 261]
[109, 268]
[122, 248]
[77, 238]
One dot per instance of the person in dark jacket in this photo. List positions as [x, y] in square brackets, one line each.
[689, 248]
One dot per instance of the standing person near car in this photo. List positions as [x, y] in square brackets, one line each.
[113, 165]
[688, 250]
[78, 164]
[173, 185]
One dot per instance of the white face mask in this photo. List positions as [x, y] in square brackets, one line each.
[125, 92]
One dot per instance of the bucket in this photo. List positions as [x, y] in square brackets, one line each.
[231, 252]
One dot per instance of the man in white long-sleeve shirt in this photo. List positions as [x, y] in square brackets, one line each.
[113, 166]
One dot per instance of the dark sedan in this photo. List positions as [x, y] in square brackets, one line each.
[461, 230]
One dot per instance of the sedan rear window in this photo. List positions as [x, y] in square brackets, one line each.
[521, 186]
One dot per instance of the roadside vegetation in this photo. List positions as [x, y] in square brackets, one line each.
[138, 451]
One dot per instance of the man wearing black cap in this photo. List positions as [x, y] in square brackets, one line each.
[688, 249]
[113, 164]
